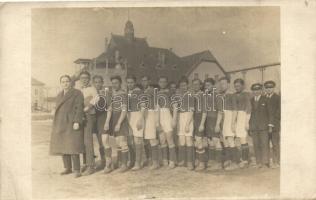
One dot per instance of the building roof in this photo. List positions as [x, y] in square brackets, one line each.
[37, 82]
[142, 59]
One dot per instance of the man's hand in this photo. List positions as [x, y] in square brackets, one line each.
[106, 126]
[117, 127]
[139, 124]
[75, 126]
[201, 128]
[86, 109]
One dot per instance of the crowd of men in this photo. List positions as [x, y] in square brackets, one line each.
[194, 124]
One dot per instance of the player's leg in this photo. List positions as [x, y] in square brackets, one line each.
[200, 151]
[138, 141]
[88, 142]
[163, 147]
[154, 153]
[107, 153]
[218, 153]
[232, 153]
[189, 151]
[181, 150]
[131, 150]
[172, 149]
[244, 152]
[121, 142]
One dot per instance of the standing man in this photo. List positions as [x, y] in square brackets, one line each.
[274, 106]
[100, 108]
[167, 123]
[145, 83]
[213, 106]
[243, 108]
[90, 99]
[229, 125]
[199, 118]
[151, 123]
[116, 123]
[185, 124]
[135, 115]
[258, 126]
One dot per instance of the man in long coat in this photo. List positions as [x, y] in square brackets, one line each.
[67, 131]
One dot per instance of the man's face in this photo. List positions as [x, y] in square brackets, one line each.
[223, 84]
[116, 84]
[173, 86]
[145, 82]
[196, 85]
[269, 90]
[84, 79]
[208, 86]
[163, 83]
[130, 83]
[257, 92]
[65, 83]
[98, 83]
[183, 86]
[238, 87]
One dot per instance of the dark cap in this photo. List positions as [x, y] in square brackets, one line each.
[256, 86]
[269, 84]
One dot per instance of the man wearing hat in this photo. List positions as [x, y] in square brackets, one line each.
[274, 106]
[258, 126]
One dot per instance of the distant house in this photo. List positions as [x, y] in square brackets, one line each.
[127, 54]
[38, 95]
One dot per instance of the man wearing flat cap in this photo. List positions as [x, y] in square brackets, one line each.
[258, 126]
[274, 106]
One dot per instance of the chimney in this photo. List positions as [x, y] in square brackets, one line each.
[106, 44]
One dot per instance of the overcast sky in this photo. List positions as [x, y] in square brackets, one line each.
[239, 37]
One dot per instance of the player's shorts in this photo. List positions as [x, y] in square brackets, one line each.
[197, 117]
[182, 120]
[113, 121]
[165, 120]
[241, 124]
[133, 118]
[210, 124]
[227, 124]
[98, 127]
[150, 131]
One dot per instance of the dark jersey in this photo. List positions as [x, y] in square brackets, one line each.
[133, 100]
[164, 98]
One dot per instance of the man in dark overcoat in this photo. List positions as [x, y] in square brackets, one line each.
[67, 131]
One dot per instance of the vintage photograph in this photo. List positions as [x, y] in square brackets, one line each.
[155, 102]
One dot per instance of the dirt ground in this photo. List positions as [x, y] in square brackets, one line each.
[144, 184]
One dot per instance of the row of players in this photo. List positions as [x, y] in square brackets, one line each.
[216, 137]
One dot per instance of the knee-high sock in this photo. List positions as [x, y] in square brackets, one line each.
[245, 152]
[101, 150]
[189, 154]
[211, 153]
[181, 153]
[138, 153]
[154, 153]
[227, 154]
[218, 155]
[172, 154]
[234, 155]
[132, 155]
[124, 158]
[108, 156]
[164, 151]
